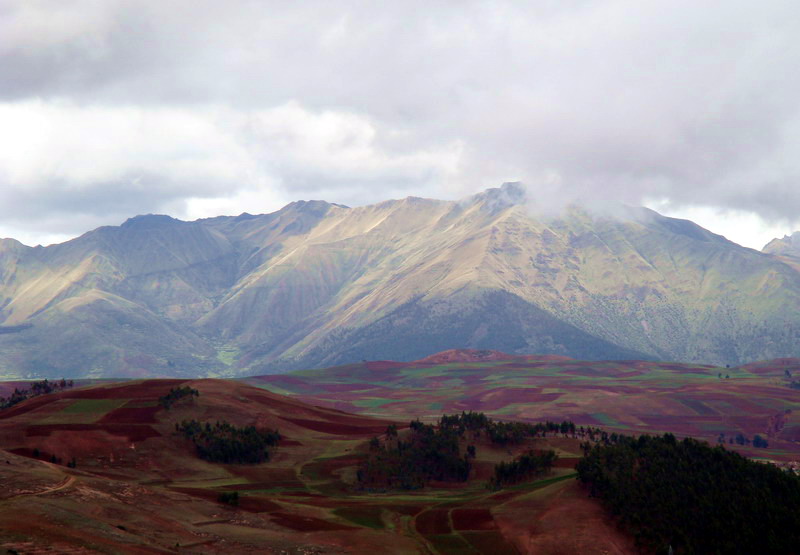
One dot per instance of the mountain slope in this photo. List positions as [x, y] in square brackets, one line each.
[789, 246]
[318, 283]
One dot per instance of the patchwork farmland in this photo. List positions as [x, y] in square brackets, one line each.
[103, 468]
[623, 396]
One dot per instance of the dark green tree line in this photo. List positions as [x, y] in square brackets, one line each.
[225, 443]
[693, 497]
[176, 394]
[525, 467]
[34, 389]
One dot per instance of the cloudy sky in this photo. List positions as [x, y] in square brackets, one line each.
[197, 108]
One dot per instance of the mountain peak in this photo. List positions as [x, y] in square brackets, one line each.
[149, 221]
[788, 245]
[499, 198]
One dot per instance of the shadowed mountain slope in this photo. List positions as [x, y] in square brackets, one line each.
[316, 284]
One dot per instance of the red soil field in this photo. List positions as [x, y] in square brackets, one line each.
[497, 399]
[464, 355]
[146, 389]
[253, 504]
[473, 519]
[289, 443]
[379, 365]
[774, 367]
[341, 387]
[566, 462]
[490, 541]
[502, 497]
[131, 415]
[131, 431]
[566, 522]
[433, 521]
[28, 406]
[256, 504]
[306, 523]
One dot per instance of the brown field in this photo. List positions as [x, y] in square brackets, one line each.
[139, 488]
[620, 396]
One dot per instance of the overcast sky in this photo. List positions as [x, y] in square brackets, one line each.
[197, 108]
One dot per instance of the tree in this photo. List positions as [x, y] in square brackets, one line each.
[229, 498]
[694, 497]
[228, 444]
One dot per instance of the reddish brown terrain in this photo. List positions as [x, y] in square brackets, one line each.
[477, 355]
[138, 486]
[624, 396]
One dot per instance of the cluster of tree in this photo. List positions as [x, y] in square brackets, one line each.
[225, 443]
[176, 394]
[229, 498]
[513, 433]
[741, 439]
[525, 467]
[434, 451]
[36, 388]
[759, 441]
[794, 384]
[72, 463]
[692, 498]
[504, 433]
[429, 453]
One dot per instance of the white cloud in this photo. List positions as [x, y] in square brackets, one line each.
[95, 165]
[115, 107]
[740, 226]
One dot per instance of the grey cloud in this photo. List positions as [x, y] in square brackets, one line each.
[67, 210]
[691, 102]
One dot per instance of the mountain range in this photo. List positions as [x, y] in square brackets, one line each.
[316, 284]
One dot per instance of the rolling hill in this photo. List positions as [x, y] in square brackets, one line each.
[317, 284]
[103, 469]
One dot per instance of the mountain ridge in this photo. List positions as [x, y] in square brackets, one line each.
[317, 283]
